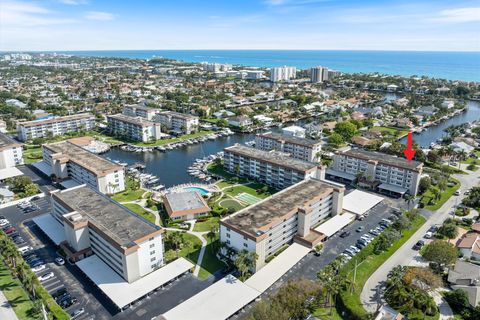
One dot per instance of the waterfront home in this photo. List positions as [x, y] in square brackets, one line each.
[466, 276]
[239, 121]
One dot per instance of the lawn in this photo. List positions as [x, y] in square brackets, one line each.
[324, 313]
[206, 226]
[176, 139]
[250, 189]
[210, 263]
[15, 294]
[220, 171]
[470, 160]
[351, 301]
[128, 195]
[32, 154]
[228, 203]
[140, 211]
[444, 197]
[399, 133]
[190, 250]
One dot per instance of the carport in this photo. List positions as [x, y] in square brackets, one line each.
[9, 173]
[392, 190]
[360, 202]
[335, 224]
[51, 227]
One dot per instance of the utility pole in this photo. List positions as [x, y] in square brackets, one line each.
[352, 287]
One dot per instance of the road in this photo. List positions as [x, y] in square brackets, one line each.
[371, 296]
[6, 310]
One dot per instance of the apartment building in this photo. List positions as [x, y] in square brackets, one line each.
[94, 224]
[133, 128]
[68, 160]
[282, 73]
[10, 152]
[55, 126]
[277, 169]
[288, 216]
[179, 123]
[216, 67]
[318, 74]
[140, 111]
[377, 171]
[298, 148]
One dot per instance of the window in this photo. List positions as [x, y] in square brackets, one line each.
[245, 245]
[228, 235]
[245, 238]
[151, 239]
[152, 252]
[153, 259]
[228, 241]
[152, 245]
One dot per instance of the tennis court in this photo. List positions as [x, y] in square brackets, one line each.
[247, 198]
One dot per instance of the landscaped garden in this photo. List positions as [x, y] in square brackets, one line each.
[395, 132]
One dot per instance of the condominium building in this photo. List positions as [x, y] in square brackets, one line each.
[187, 205]
[275, 168]
[178, 122]
[216, 67]
[10, 152]
[298, 148]
[94, 224]
[288, 216]
[133, 128]
[318, 74]
[377, 171]
[67, 160]
[55, 126]
[282, 73]
[140, 111]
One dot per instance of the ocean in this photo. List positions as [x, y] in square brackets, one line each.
[446, 65]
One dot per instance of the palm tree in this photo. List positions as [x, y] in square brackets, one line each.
[22, 270]
[409, 199]
[245, 261]
[333, 282]
[30, 283]
[11, 254]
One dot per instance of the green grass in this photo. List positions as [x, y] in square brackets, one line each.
[219, 170]
[391, 131]
[128, 195]
[228, 203]
[32, 155]
[250, 189]
[210, 263]
[140, 211]
[177, 139]
[351, 301]
[206, 226]
[324, 314]
[15, 294]
[444, 197]
[470, 160]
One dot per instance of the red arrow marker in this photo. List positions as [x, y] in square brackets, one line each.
[409, 152]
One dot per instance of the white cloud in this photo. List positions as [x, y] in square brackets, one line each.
[459, 15]
[73, 2]
[99, 16]
[24, 14]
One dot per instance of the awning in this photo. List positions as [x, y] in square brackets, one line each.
[390, 187]
[120, 291]
[44, 167]
[70, 183]
[343, 175]
[335, 224]
[51, 227]
[9, 173]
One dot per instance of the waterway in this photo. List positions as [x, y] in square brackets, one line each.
[436, 132]
[171, 166]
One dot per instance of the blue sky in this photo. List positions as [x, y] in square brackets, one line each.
[435, 25]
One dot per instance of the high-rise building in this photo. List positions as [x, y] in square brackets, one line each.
[318, 74]
[282, 73]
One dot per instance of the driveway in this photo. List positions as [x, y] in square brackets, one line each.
[371, 296]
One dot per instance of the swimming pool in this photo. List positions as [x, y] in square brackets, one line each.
[202, 191]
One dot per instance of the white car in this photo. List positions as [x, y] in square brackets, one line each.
[428, 235]
[46, 276]
[4, 222]
[38, 268]
[25, 249]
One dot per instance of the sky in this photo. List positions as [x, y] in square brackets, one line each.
[49, 25]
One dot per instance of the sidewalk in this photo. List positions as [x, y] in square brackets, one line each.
[6, 311]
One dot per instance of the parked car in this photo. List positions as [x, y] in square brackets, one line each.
[38, 268]
[419, 245]
[25, 249]
[355, 249]
[10, 230]
[59, 261]
[67, 303]
[77, 313]
[374, 232]
[457, 193]
[59, 293]
[35, 198]
[344, 234]
[428, 235]
[360, 229]
[4, 222]
[46, 276]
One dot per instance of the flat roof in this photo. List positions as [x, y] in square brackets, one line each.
[120, 291]
[178, 115]
[384, 158]
[9, 173]
[116, 221]
[181, 203]
[44, 167]
[51, 227]
[217, 302]
[359, 202]
[280, 159]
[88, 160]
[56, 119]
[393, 188]
[139, 121]
[6, 142]
[344, 175]
[335, 224]
[275, 269]
[290, 139]
[258, 218]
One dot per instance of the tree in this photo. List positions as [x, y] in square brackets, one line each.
[448, 229]
[409, 199]
[332, 281]
[385, 240]
[402, 223]
[335, 139]
[424, 184]
[423, 278]
[30, 283]
[441, 252]
[245, 261]
[346, 129]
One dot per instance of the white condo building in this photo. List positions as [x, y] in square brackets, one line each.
[277, 169]
[180, 123]
[134, 128]
[318, 74]
[94, 224]
[67, 160]
[216, 67]
[377, 171]
[288, 216]
[298, 148]
[140, 111]
[56, 126]
[10, 152]
[282, 73]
